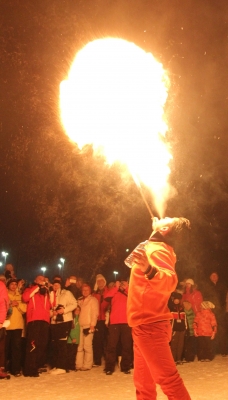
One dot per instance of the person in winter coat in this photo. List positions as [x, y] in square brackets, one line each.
[205, 328]
[4, 305]
[192, 295]
[87, 321]
[118, 329]
[63, 303]
[153, 279]
[73, 340]
[38, 321]
[190, 339]
[179, 326]
[15, 329]
[100, 334]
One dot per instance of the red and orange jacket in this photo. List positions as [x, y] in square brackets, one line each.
[148, 299]
[205, 323]
[103, 305]
[38, 305]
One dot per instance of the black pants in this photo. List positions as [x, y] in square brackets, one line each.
[177, 345]
[2, 347]
[36, 346]
[116, 332]
[59, 335]
[189, 348]
[204, 348]
[99, 342]
[13, 351]
[72, 349]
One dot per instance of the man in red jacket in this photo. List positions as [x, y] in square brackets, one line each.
[153, 279]
[38, 322]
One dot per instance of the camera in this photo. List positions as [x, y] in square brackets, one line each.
[59, 317]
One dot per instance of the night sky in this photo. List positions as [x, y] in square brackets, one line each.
[57, 202]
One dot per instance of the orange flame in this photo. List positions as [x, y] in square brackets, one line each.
[113, 99]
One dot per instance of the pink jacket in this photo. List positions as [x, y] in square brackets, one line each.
[118, 300]
[4, 302]
[205, 323]
[195, 298]
[38, 305]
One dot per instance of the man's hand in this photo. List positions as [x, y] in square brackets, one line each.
[213, 336]
[60, 310]
[67, 282]
[14, 303]
[117, 284]
[140, 258]
[92, 329]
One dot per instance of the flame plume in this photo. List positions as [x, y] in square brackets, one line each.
[114, 99]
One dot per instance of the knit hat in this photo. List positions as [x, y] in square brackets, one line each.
[191, 281]
[99, 276]
[207, 304]
[176, 295]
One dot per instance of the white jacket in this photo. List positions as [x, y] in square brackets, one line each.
[65, 298]
[89, 311]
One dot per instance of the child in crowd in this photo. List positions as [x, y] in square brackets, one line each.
[179, 326]
[73, 340]
[190, 339]
[205, 328]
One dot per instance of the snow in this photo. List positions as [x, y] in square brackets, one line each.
[204, 381]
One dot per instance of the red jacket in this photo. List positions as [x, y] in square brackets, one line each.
[4, 302]
[103, 305]
[205, 323]
[195, 298]
[148, 299]
[118, 314]
[38, 305]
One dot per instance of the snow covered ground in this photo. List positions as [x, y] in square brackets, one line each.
[205, 381]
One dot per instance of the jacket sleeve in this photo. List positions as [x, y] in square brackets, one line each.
[71, 302]
[4, 302]
[30, 292]
[94, 311]
[110, 293]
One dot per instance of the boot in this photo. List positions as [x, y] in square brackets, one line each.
[3, 374]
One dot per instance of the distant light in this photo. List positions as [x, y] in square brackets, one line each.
[115, 273]
[5, 254]
[62, 260]
[1, 264]
[127, 250]
[60, 266]
[43, 269]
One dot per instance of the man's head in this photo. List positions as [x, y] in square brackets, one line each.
[86, 290]
[100, 282]
[40, 280]
[12, 285]
[167, 225]
[214, 277]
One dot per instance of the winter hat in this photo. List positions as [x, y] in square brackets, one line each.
[99, 276]
[191, 281]
[207, 304]
[176, 295]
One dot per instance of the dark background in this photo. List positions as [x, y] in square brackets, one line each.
[59, 202]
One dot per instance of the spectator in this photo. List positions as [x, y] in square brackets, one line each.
[216, 291]
[71, 285]
[100, 334]
[13, 354]
[190, 340]
[87, 321]
[179, 326]
[118, 329]
[192, 295]
[63, 303]
[9, 272]
[73, 341]
[38, 320]
[205, 328]
[4, 305]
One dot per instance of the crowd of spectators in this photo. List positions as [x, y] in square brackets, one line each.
[58, 327]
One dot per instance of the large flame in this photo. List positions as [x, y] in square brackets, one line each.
[113, 99]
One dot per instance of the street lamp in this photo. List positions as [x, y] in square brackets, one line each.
[62, 260]
[4, 254]
[1, 264]
[115, 273]
[43, 269]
